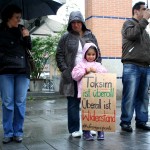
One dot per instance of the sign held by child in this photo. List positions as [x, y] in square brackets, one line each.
[98, 99]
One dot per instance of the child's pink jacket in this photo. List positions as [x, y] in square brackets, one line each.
[80, 69]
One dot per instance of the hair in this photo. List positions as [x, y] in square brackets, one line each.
[95, 49]
[8, 12]
[137, 6]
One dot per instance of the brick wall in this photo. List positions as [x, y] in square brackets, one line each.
[105, 19]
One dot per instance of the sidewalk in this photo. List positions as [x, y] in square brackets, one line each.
[45, 128]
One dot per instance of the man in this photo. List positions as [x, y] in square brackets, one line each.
[69, 53]
[136, 69]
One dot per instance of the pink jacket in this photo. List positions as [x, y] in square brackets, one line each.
[80, 69]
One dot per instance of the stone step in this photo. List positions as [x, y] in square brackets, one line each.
[44, 95]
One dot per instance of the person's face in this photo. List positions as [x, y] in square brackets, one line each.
[90, 55]
[140, 12]
[76, 26]
[14, 20]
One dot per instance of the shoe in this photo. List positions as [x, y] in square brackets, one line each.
[93, 132]
[126, 128]
[100, 135]
[76, 134]
[88, 136]
[143, 126]
[7, 140]
[18, 139]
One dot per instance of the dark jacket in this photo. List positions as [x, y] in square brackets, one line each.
[135, 42]
[67, 50]
[13, 46]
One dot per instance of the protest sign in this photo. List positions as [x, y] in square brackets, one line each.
[99, 102]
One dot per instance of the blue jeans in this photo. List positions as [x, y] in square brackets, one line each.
[73, 111]
[13, 89]
[136, 81]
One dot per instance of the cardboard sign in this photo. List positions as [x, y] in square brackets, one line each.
[98, 101]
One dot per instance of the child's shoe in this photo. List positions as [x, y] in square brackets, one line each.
[93, 132]
[87, 136]
[100, 135]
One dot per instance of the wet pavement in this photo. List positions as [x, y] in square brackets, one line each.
[45, 128]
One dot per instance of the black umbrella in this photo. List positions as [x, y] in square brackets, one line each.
[33, 8]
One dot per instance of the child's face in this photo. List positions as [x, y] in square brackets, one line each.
[90, 55]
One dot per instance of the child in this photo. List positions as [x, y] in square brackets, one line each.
[88, 65]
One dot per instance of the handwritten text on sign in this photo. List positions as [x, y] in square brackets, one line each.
[99, 102]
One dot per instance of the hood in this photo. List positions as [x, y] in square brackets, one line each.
[76, 15]
[86, 47]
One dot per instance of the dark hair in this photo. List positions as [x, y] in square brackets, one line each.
[8, 12]
[95, 49]
[137, 6]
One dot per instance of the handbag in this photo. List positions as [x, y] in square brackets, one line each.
[30, 61]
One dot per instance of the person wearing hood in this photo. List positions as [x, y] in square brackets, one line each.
[69, 53]
[86, 66]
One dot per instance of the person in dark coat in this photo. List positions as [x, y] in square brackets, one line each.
[14, 72]
[69, 53]
[136, 69]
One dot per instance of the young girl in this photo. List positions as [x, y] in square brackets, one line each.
[88, 65]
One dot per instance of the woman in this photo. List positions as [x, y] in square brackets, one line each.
[14, 72]
[69, 53]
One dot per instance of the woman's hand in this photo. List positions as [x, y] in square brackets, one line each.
[25, 32]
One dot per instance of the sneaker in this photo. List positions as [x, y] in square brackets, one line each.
[76, 134]
[18, 139]
[87, 136]
[143, 126]
[126, 128]
[93, 132]
[100, 135]
[7, 140]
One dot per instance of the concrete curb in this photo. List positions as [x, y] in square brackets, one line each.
[44, 95]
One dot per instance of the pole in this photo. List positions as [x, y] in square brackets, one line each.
[147, 3]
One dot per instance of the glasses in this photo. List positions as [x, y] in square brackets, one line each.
[17, 16]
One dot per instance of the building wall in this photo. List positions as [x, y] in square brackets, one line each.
[105, 19]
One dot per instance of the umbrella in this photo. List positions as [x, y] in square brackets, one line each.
[33, 8]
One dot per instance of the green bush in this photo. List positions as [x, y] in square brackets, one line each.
[44, 48]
